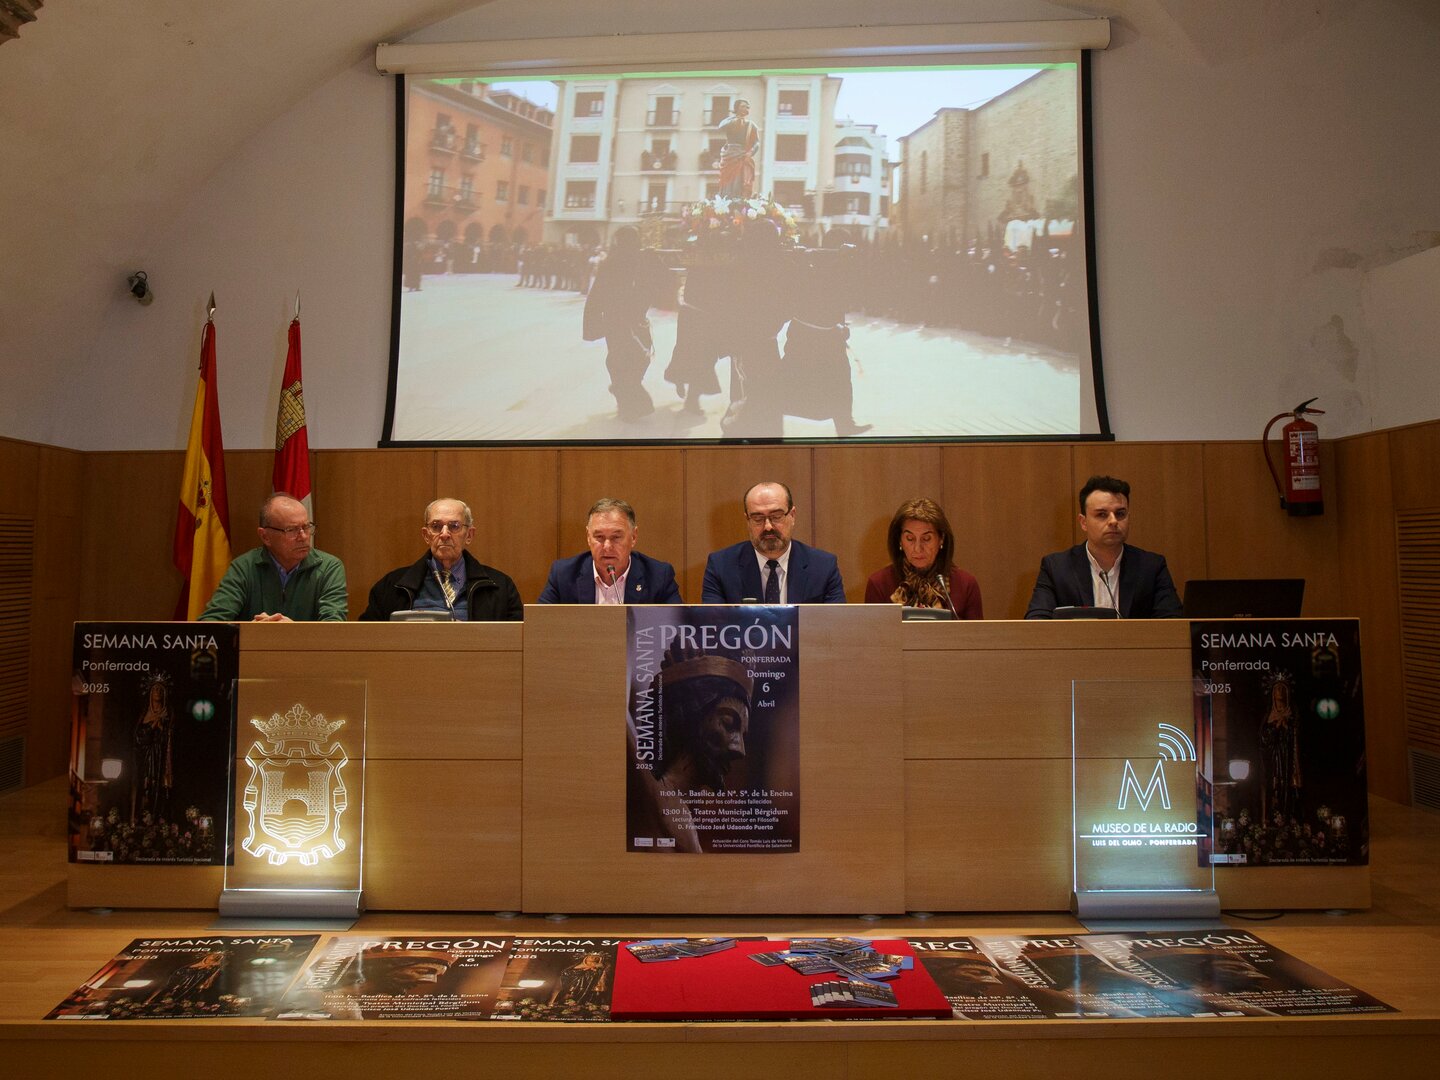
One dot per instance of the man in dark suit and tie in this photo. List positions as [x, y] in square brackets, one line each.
[612, 571]
[1105, 571]
[770, 567]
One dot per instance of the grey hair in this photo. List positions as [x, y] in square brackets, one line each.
[611, 506]
[469, 518]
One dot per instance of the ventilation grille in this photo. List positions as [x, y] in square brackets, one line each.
[1424, 779]
[17, 562]
[1417, 536]
[12, 764]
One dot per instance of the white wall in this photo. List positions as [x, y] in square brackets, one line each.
[1241, 196]
[1249, 173]
[1402, 319]
[308, 205]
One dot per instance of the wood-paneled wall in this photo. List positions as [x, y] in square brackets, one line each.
[1209, 507]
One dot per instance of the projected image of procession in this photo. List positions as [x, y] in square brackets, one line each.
[743, 256]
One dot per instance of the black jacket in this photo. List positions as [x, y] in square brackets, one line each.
[1146, 591]
[490, 596]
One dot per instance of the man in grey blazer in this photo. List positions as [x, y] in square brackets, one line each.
[770, 567]
[1105, 571]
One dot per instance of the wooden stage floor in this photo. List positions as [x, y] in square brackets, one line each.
[1392, 951]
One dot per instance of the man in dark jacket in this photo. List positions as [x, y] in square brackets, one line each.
[449, 578]
[1105, 571]
[612, 571]
[770, 567]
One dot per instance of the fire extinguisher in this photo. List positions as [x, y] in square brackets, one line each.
[1301, 495]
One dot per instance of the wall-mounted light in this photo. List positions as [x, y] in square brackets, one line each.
[110, 768]
[140, 287]
[1239, 768]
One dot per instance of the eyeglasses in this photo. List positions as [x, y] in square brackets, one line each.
[774, 517]
[442, 526]
[292, 531]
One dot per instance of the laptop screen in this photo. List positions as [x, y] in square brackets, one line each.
[1244, 598]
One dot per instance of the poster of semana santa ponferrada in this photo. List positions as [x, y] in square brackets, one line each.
[151, 735]
[1285, 773]
[712, 740]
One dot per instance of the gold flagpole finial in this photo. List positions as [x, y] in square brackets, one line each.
[210, 310]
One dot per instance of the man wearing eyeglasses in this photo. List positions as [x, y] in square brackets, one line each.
[771, 568]
[284, 579]
[449, 578]
[612, 571]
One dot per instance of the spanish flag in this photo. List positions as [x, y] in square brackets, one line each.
[202, 526]
[292, 443]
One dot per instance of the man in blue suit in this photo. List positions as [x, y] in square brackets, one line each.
[612, 571]
[770, 568]
[1105, 571]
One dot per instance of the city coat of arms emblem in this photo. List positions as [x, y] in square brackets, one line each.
[296, 794]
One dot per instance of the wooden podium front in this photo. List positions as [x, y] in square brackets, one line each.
[987, 765]
[852, 834]
[935, 770]
[442, 769]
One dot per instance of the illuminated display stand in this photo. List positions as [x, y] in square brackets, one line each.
[1141, 839]
[299, 799]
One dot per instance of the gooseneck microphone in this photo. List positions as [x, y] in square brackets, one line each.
[1109, 589]
[945, 592]
[610, 574]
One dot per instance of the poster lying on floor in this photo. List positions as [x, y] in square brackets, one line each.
[151, 732]
[712, 747]
[1217, 973]
[1230, 973]
[185, 978]
[400, 978]
[1286, 770]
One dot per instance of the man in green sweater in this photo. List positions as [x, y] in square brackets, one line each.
[285, 579]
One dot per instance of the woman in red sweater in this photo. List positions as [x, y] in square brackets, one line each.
[922, 570]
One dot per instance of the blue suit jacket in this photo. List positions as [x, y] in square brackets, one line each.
[732, 574]
[572, 581]
[1146, 591]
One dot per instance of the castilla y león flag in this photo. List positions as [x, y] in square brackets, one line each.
[292, 444]
[202, 526]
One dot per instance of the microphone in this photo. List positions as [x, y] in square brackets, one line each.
[1105, 580]
[610, 574]
[945, 592]
[450, 607]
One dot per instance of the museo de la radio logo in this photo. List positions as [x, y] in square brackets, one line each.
[296, 792]
[1174, 745]
[1151, 817]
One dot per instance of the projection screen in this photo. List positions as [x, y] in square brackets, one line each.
[825, 253]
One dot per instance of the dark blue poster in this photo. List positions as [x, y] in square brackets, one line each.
[1286, 769]
[151, 742]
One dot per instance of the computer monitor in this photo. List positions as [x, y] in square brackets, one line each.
[1244, 598]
